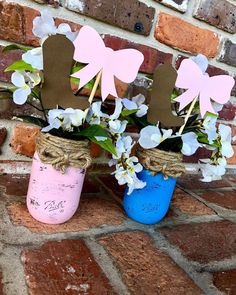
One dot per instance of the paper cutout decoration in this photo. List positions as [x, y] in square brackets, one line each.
[58, 54]
[160, 105]
[91, 50]
[190, 77]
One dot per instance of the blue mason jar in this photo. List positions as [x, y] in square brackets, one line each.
[150, 204]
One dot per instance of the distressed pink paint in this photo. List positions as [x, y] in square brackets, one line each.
[53, 197]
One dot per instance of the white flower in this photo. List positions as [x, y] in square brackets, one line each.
[213, 172]
[190, 143]
[24, 82]
[128, 176]
[34, 57]
[124, 146]
[75, 116]
[136, 103]
[151, 137]
[117, 126]
[118, 109]
[44, 26]
[53, 120]
[67, 119]
[95, 114]
[225, 139]
[209, 125]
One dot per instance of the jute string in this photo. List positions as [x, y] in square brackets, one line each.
[62, 153]
[169, 163]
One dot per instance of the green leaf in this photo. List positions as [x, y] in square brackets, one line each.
[20, 65]
[33, 120]
[106, 145]
[14, 47]
[76, 81]
[92, 131]
[126, 113]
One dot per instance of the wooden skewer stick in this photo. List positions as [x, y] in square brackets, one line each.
[188, 115]
[95, 87]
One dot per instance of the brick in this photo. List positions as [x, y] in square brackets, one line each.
[15, 184]
[144, 268]
[134, 16]
[225, 199]
[180, 34]
[233, 92]
[64, 267]
[220, 14]
[152, 56]
[180, 5]
[1, 284]
[95, 150]
[54, 3]
[23, 139]
[193, 182]
[228, 112]
[188, 205]
[228, 54]
[3, 134]
[111, 184]
[232, 160]
[203, 242]
[16, 23]
[201, 153]
[91, 185]
[7, 59]
[93, 212]
[225, 281]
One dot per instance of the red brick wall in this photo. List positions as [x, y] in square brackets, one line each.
[163, 30]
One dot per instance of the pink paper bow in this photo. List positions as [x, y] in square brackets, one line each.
[122, 64]
[190, 77]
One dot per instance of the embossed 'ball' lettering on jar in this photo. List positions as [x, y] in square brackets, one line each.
[57, 177]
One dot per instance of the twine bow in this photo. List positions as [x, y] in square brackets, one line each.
[62, 153]
[168, 163]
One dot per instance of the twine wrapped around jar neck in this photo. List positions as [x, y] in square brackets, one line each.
[62, 153]
[168, 163]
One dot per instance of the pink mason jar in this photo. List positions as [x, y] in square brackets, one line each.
[57, 177]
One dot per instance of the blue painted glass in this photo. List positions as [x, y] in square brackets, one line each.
[150, 204]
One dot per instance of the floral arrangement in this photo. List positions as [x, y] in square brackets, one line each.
[107, 128]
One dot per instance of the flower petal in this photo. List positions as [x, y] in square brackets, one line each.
[18, 79]
[20, 95]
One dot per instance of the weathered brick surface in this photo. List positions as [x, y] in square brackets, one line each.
[54, 3]
[180, 5]
[188, 205]
[3, 134]
[23, 139]
[7, 59]
[16, 23]
[193, 182]
[201, 153]
[14, 185]
[224, 199]
[1, 284]
[144, 268]
[220, 13]
[152, 56]
[225, 281]
[228, 112]
[204, 242]
[180, 34]
[228, 55]
[93, 212]
[64, 267]
[134, 15]
[232, 160]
